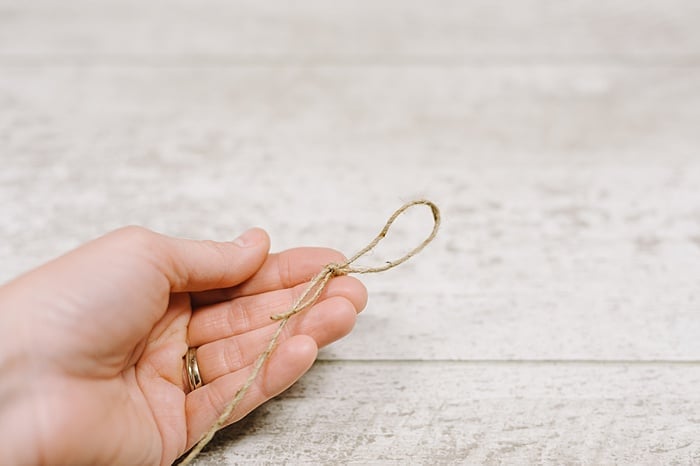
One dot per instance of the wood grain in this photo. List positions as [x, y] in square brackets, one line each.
[456, 413]
[553, 247]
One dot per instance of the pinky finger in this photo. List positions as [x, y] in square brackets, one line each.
[287, 364]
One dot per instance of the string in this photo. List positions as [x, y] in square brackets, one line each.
[307, 299]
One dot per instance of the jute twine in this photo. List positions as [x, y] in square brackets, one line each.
[307, 299]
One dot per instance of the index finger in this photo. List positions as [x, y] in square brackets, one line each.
[281, 270]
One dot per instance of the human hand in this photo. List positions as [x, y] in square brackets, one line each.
[92, 344]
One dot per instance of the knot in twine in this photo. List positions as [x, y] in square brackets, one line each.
[308, 298]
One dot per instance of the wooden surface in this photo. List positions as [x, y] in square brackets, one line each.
[556, 319]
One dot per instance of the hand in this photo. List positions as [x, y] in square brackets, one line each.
[92, 344]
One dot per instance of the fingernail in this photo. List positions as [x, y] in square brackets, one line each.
[249, 238]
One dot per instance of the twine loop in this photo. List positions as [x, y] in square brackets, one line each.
[309, 297]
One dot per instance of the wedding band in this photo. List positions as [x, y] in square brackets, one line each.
[194, 379]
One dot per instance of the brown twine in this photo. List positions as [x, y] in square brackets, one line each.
[309, 297]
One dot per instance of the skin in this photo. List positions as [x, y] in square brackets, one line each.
[92, 343]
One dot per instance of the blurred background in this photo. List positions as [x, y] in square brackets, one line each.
[555, 318]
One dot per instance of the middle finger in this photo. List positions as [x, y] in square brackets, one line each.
[240, 315]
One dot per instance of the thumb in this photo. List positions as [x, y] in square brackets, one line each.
[139, 257]
[192, 265]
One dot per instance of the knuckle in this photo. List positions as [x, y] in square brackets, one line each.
[135, 234]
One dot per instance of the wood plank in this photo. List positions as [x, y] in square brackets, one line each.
[456, 413]
[571, 210]
[416, 113]
[367, 31]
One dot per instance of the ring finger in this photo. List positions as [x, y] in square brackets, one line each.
[325, 322]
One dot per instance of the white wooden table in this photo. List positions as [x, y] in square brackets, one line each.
[556, 319]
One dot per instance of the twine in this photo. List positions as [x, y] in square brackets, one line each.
[308, 298]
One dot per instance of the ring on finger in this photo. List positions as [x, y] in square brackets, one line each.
[193, 379]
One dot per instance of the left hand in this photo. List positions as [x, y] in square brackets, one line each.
[92, 344]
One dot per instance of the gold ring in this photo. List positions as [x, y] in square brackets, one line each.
[193, 379]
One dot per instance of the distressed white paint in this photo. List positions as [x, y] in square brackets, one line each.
[456, 413]
[552, 247]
